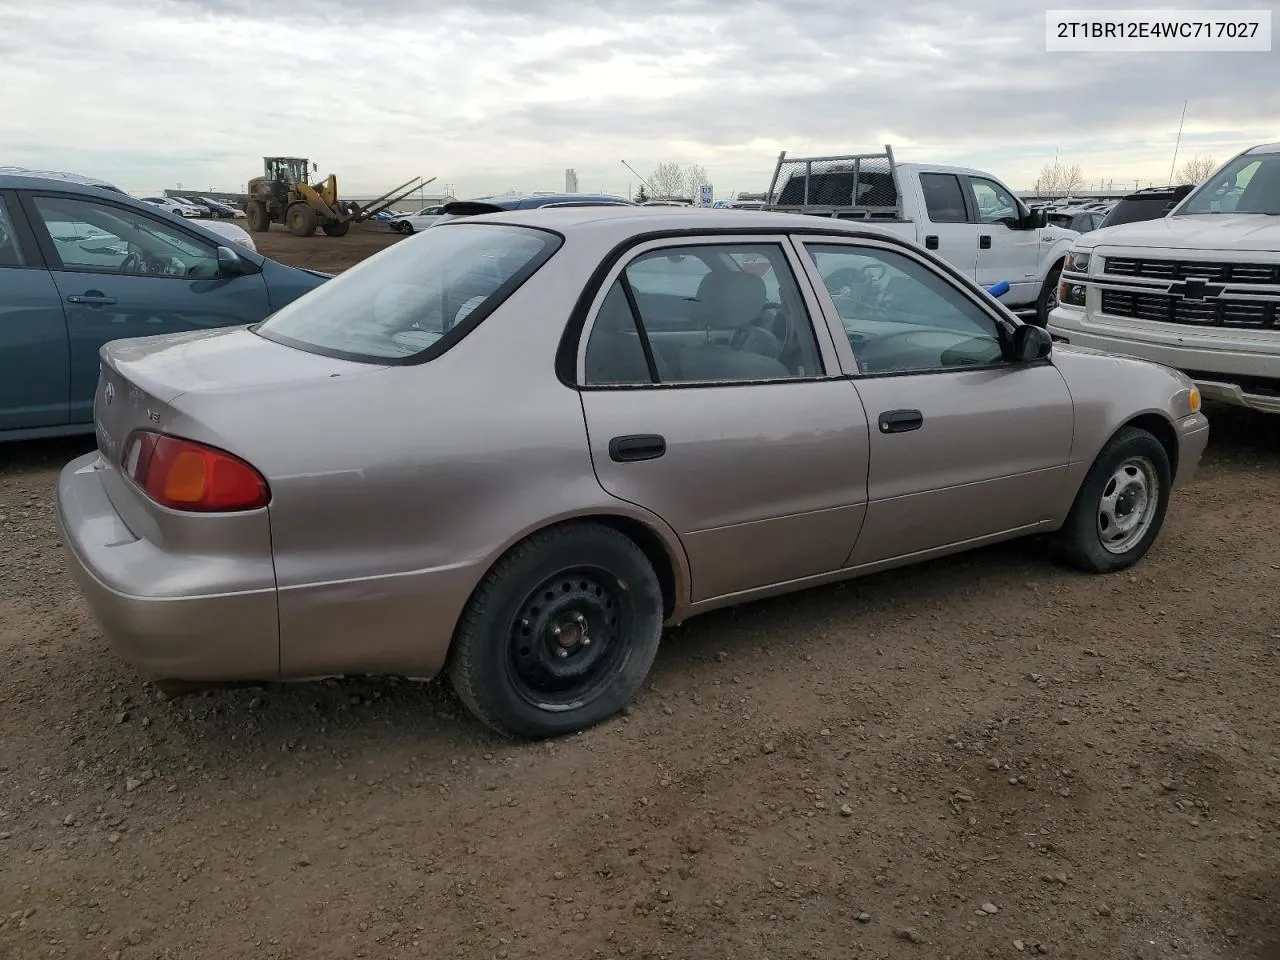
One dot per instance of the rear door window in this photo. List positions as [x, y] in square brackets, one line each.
[943, 197]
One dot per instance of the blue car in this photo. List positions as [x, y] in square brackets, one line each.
[526, 201]
[81, 265]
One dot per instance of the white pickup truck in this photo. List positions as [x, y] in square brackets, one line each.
[1198, 289]
[967, 217]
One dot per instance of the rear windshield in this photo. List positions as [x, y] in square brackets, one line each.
[415, 299]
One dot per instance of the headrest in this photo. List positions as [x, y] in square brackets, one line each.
[730, 299]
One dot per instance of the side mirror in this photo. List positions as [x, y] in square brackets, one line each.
[1031, 343]
[229, 263]
[1037, 217]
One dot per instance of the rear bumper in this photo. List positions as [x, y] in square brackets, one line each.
[204, 632]
[1223, 363]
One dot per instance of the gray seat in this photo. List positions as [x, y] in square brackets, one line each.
[614, 352]
[729, 300]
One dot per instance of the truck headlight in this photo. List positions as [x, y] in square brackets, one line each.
[1071, 293]
[1077, 262]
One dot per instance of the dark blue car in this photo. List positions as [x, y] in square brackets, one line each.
[81, 265]
[526, 201]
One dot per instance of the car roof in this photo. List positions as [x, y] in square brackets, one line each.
[510, 201]
[59, 175]
[617, 223]
[1265, 148]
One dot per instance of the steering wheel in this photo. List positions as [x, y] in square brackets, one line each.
[756, 339]
[134, 262]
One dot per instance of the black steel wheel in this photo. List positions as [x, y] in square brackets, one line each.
[560, 634]
[569, 638]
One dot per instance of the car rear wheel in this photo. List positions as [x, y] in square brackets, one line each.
[560, 634]
[1121, 506]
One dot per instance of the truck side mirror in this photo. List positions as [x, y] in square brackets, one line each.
[1037, 217]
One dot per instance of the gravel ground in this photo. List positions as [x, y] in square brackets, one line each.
[988, 756]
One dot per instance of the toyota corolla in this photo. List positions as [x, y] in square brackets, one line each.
[517, 446]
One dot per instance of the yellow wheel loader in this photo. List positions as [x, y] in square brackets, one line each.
[283, 194]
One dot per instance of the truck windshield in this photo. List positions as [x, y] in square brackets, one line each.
[1248, 184]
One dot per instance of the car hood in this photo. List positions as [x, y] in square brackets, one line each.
[1210, 231]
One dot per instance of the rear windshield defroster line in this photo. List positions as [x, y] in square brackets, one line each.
[413, 301]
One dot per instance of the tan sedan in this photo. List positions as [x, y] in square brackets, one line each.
[516, 445]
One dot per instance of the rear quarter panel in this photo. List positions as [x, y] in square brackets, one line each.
[399, 488]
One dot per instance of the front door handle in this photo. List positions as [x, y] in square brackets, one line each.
[984, 242]
[92, 298]
[642, 446]
[901, 421]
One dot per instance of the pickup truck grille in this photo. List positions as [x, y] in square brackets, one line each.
[1181, 269]
[1164, 308]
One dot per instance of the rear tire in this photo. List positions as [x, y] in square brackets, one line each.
[560, 634]
[1048, 299]
[1121, 505]
[301, 220]
[256, 214]
[337, 229]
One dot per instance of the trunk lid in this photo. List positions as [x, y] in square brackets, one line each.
[141, 378]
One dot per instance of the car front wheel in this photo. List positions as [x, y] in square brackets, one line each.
[1121, 506]
[560, 634]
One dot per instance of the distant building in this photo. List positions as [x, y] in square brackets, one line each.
[571, 181]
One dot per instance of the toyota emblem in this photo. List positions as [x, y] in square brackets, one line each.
[109, 394]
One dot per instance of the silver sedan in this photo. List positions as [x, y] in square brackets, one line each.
[514, 447]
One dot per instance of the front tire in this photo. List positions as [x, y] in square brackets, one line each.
[301, 219]
[256, 214]
[1047, 302]
[1121, 505]
[560, 634]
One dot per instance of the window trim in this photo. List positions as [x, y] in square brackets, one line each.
[50, 250]
[32, 255]
[977, 208]
[966, 202]
[613, 267]
[975, 295]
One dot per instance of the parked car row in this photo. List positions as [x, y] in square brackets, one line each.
[205, 207]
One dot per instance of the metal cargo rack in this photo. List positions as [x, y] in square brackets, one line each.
[856, 186]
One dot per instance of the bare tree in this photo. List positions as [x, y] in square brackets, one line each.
[1059, 178]
[667, 180]
[670, 180]
[1197, 169]
[695, 175]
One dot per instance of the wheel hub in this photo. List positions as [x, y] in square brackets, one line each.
[562, 640]
[1128, 505]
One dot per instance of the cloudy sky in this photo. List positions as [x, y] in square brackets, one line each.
[495, 94]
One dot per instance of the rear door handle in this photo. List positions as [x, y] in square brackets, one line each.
[92, 299]
[641, 446]
[901, 421]
[984, 242]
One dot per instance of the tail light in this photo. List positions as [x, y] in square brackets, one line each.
[185, 475]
